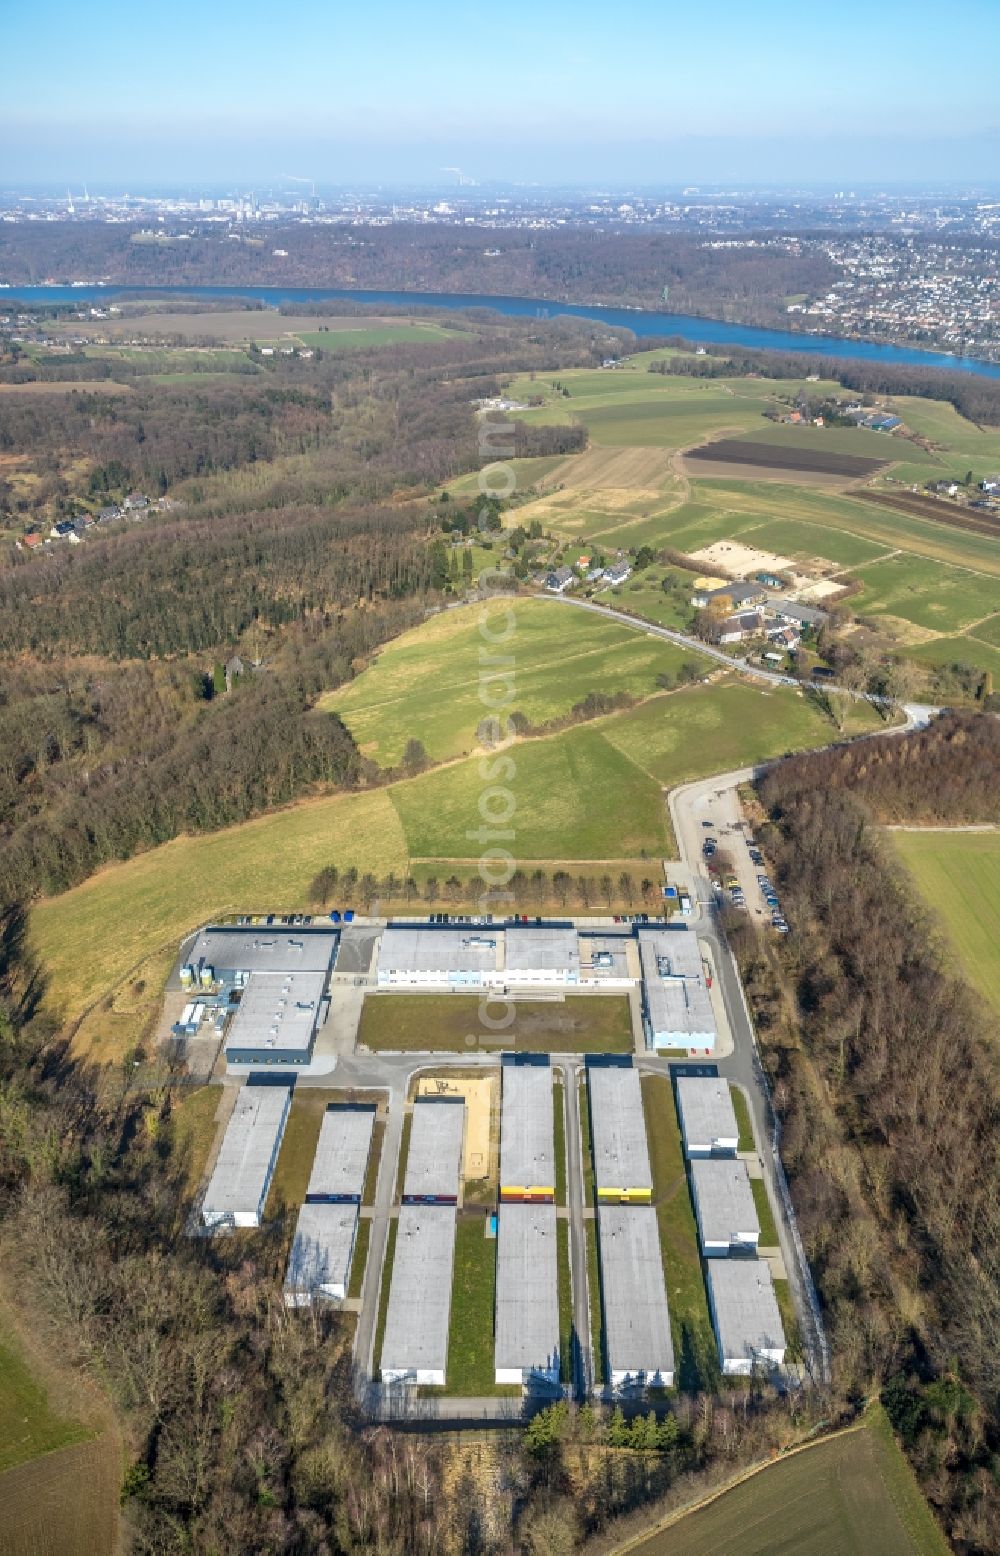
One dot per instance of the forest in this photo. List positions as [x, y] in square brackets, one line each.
[883, 1071]
[572, 265]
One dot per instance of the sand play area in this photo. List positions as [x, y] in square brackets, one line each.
[478, 1092]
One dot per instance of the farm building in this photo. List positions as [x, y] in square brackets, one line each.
[319, 1265]
[416, 957]
[434, 1161]
[634, 1298]
[276, 1018]
[342, 1151]
[527, 1153]
[677, 1007]
[544, 954]
[618, 1134]
[724, 1205]
[415, 1343]
[527, 1298]
[707, 1117]
[745, 1314]
[238, 1187]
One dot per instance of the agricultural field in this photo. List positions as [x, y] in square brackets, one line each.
[850, 1495]
[60, 1457]
[366, 334]
[944, 599]
[967, 650]
[436, 683]
[728, 725]
[958, 876]
[785, 457]
[453, 1023]
[592, 792]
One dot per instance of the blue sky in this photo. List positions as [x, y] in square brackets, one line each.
[626, 93]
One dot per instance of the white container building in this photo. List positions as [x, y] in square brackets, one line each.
[527, 1142]
[238, 1187]
[724, 1206]
[677, 1007]
[707, 1116]
[434, 1160]
[415, 1342]
[526, 1349]
[639, 1348]
[745, 1314]
[414, 957]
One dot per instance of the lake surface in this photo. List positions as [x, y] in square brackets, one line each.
[701, 331]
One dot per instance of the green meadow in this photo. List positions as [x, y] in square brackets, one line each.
[944, 599]
[438, 682]
[958, 876]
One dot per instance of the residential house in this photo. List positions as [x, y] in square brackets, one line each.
[109, 514]
[562, 579]
[785, 637]
[33, 541]
[135, 502]
[736, 629]
[797, 615]
[733, 595]
[618, 572]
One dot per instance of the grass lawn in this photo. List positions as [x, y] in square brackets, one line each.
[565, 1303]
[741, 1108]
[586, 1151]
[403, 333]
[298, 1148]
[958, 876]
[89, 938]
[852, 1495]
[765, 1215]
[383, 1293]
[359, 1259]
[374, 1159]
[430, 683]
[709, 729]
[941, 598]
[451, 1023]
[966, 650]
[559, 1140]
[789, 1321]
[571, 796]
[403, 1157]
[988, 631]
[471, 1366]
[29, 1426]
[193, 1126]
[594, 1289]
[690, 1322]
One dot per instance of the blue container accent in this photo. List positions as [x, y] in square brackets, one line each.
[348, 915]
[335, 916]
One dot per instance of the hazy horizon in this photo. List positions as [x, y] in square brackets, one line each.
[647, 94]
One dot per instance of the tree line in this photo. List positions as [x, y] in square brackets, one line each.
[883, 1071]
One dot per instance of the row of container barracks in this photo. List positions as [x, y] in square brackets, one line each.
[636, 1320]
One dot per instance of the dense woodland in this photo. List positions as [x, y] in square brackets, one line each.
[296, 536]
[883, 1068]
[572, 265]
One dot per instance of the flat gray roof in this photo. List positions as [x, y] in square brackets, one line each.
[677, 1000]
[409, 950]
[527, 1298]
[745, 1308]
[322, 1248]
[434, 1160]
[416, 1323]
[707, 1115]
[277, 1011]
[604, 956]
[545, 947]
[723, 1200]
[527, 1149]
[341, 1160]
[636, 1317]
[618, 1128]
[264, 950]
[244, 1162]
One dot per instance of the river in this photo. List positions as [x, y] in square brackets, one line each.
[701, 331]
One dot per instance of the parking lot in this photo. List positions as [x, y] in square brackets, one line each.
[738, 869]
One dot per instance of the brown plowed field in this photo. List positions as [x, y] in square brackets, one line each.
[772, 456]
[940, 512]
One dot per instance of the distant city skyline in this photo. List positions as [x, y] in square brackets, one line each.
[646, 93]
